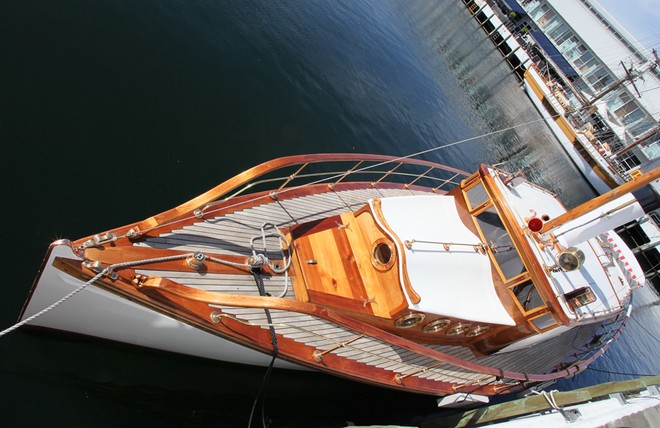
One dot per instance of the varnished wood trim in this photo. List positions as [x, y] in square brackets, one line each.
[191, 306]
[378, 213]
[164, 285]
[536, 271]
[266, 167]
[241, 179]
[601, 200]
[122, 254]
[339, 303]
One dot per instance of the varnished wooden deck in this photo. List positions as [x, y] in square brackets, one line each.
[231, 234]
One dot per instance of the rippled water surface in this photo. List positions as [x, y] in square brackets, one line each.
[114, 111]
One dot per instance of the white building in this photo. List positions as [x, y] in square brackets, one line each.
[603, 54]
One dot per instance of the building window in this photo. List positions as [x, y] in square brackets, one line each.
[628, 160]
[652, 151]
[561, 34]
[576, 52]
[639, 128]
[599, 78]
[552, 24]
[615, 102]
[546, 18]
[585, 62]
[538, 10]
[569, 44]
[629, 113]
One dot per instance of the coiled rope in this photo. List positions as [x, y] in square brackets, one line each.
[549, 397]
[552, 402]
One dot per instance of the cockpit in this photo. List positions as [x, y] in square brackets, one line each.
[505, 256]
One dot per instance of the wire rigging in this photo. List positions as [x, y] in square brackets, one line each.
[619, 373]
[366, 168]
[644, 328]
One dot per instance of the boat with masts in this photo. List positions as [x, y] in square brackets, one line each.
[398, 272]
[606, 147]
[593, 157]
[576, 130]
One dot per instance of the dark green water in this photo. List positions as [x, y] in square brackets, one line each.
[113, 111]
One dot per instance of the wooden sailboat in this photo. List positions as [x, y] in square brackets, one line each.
[397, 272]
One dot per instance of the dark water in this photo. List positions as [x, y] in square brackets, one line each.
[113, 111]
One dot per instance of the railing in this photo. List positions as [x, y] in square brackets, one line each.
[420, 358]
[332, 172]
[367, 168]
[279, 176]
[361, 346]
[609, 331]
[623, 265]
[421, 361]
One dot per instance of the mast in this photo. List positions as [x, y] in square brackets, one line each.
[601, 200]
[652, 133]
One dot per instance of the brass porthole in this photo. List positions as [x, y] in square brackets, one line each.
[382, 254]
[409, 320]
[436, 325]
[477, 331]
[458, 328]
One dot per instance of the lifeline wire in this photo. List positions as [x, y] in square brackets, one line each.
[619, 373]
[644, 328]
[432, 149]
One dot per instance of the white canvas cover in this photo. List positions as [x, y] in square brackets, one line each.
[455, 282]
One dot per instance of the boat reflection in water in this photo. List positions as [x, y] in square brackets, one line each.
[396, 272]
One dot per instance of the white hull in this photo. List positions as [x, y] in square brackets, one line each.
[98, 313]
